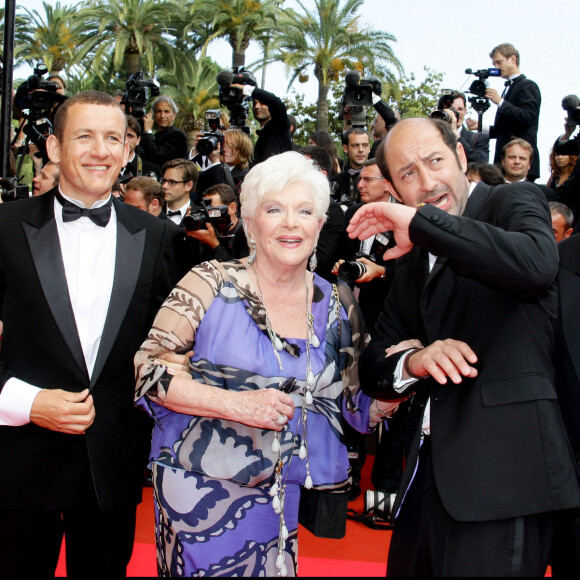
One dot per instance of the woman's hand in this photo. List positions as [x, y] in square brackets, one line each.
[403, 345]
[263, 408]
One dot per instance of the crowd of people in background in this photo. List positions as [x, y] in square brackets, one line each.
[451, 277]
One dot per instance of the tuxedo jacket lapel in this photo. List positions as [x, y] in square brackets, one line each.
[129, 255]
[43, 241]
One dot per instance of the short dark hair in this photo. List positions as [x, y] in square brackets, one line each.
[84, 98]
[226, 193]
[564, 211]
[293, 124]
[518, 141]
[149, 187]
[444, 129]
[488, 172]
[454, 95]
[506, 50]
[134, 125]
[320, 155]
[188, 169]
[353, 131]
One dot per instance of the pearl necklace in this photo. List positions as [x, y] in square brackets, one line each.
[278, 490]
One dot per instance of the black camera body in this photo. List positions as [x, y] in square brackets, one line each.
[138, 91]
[449, 114]
[233, 98]
[479, 86]
[11, 191]
[358, 95]
[352, 270]
[210, 139]
[218, 216]
[570, 104]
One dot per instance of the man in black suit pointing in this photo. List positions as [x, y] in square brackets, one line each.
[81, 277]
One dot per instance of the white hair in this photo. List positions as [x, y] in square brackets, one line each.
[279, 172]
[168, 100]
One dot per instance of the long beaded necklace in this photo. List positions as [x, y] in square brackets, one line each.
[278, 489]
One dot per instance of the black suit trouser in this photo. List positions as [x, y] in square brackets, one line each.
[426, 541]
[98, 544]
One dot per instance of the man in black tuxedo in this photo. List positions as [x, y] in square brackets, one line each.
[475, 144]
[136, 165]
[518, 108]
[168, 142]
[78, 291]
[488, 459]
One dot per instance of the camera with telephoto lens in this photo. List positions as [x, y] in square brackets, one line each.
[138, 91]
[352, 270]
[379, 504]
[10, 190]
[233, 98]
[218, 216]
[358, 95]
[210, 139]
[450, 115]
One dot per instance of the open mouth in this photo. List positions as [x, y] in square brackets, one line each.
[289, 242]
[96, 167]
[440, 201]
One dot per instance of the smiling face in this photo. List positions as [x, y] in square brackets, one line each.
[424, 169]
[91, 152]
[285, 228]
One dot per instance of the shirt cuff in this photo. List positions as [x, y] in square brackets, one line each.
[400, 384]
[248, 90]
[16, 401]
[376, 99]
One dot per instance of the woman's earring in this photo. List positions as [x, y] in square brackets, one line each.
[313, 260]
[252, 256]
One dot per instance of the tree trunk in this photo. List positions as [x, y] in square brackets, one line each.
[238, 57]
[322, 106]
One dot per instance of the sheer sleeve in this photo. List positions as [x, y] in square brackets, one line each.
[175, 326]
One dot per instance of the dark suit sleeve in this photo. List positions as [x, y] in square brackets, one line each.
[524, 111]
[386, 113]
[277, 108]
[518, 253]
[166, 145]
[166, 272]
[331, 242]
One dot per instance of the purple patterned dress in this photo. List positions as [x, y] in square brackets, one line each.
[211, 518]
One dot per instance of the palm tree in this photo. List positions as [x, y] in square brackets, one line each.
[55, 37]
[328, 39]
[240, 21]
[138, 33]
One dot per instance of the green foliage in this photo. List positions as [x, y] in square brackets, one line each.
[418, 100]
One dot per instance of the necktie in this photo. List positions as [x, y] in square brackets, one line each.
[173, 212]
[100, 216]
[507, 88]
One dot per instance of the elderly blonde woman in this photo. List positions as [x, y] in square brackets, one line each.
[274, 372]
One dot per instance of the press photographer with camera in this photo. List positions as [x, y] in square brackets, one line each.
[269, 110]
[217, 226]
[518, 107]
[475, 144]
[168, 142]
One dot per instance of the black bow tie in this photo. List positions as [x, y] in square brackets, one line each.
[173, 212]
[100, 216]
[508, 83]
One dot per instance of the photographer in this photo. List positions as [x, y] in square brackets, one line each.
[475, 144]
[237, 151]
[136, 165]
[168, 143]
[223, 236]
[270, 111]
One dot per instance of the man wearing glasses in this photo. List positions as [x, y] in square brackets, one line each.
[179, 179]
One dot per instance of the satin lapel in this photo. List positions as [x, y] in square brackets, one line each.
[44, 244]
[513, 84]
[129, 255]
[569, 287]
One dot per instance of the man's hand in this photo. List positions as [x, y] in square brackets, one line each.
[493, 95]
[442, 359]
[373, 271]
[214, 156]
[207, 236]
[471, 124]
[63, 411]
[377, 217]
[147, 122]
[177, 364]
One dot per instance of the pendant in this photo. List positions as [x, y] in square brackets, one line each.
[308, 482]
[280, 561]
[284, 533]
[276, 505]
[314, 341]
[302, 452]
[273, 490]
[278, 343]
[275, 444]
[308, 398]
[310, 379]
